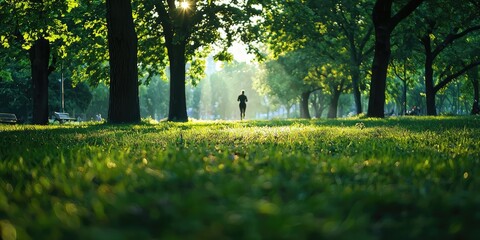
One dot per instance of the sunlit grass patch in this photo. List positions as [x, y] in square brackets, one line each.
[297, 179]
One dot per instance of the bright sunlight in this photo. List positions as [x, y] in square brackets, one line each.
[184, 5]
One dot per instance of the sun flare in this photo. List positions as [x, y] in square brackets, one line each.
[184, 5]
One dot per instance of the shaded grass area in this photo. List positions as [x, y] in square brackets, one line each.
[294, 179]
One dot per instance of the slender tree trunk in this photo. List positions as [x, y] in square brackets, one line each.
[178, 103]
[122, 43]
[404, 104]
[404, 79]
[474, 78]
[429, 85]
[39, 59]
[304, 112]
[332, 109]
[317, 105]
[457, 99]
[356, 89]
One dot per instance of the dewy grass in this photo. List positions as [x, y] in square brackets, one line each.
[398, 178]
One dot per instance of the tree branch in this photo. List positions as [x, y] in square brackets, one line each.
[404, 12]
[450, 78]
[365, 39]
[452, 37]
[165, 21]
[444, 72]
[344, 26]
[394, 67]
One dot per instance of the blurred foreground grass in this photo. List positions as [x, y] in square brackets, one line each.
[398, 178]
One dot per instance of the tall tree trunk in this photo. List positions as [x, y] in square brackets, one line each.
[474, 78]
[178, 104]
[376, 102]
[177, 29]
[429, 85]
[39, 59]
[304, 112]
[384, 24]
[404, 80]
[332, 109]
[356, 89]
[122, 44]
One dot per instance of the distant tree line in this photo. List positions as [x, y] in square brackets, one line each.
[368, 47]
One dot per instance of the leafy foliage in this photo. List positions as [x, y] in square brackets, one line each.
[276, 82]
[330, 33]
[15, 88]
[200, 26]
[90, 61]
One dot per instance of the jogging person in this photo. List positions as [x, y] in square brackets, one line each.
[242, 98]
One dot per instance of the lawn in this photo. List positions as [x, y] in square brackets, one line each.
[396, 178]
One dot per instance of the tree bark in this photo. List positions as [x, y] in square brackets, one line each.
[332, 109]
[317, 105]
[476, 93]
[304, 112]
[122, 43]
[39, 59]
[178, 104]
[404, 103]
[429, 85]
[384, 24]
[381, 17]
[376, 102]
[177, 28]
[356, 89]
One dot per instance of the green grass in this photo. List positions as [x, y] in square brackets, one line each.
[398, 178]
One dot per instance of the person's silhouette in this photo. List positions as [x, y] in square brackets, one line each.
[242, 98]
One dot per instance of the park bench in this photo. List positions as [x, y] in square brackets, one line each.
[62, 117]
[8, 118]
